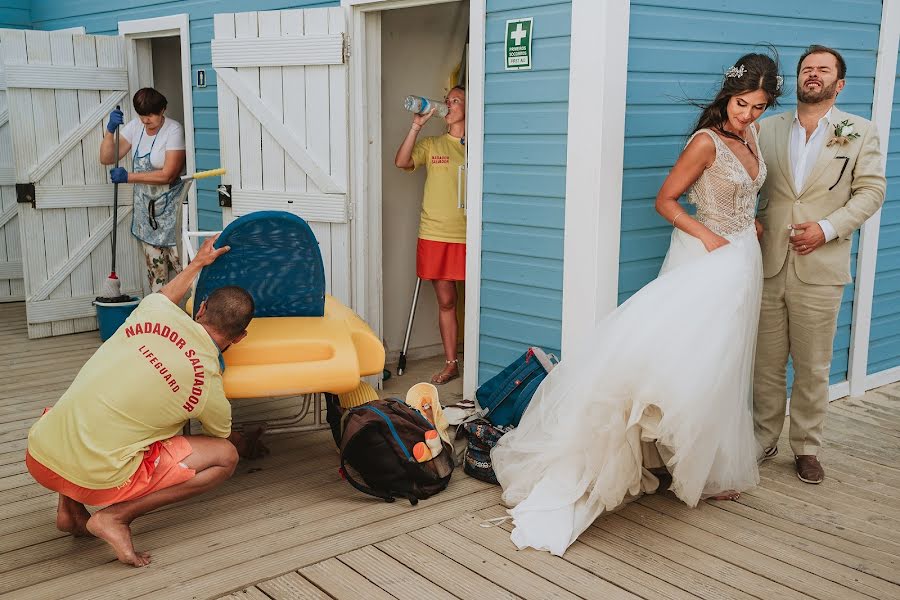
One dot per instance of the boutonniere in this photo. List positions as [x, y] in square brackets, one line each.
[843, 133]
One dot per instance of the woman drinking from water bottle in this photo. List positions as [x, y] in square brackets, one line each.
[157, 146]
[441, 248]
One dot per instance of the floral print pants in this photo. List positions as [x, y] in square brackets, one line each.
[159, 261]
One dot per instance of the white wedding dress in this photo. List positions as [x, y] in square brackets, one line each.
[672, 365]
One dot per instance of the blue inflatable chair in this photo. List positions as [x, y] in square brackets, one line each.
[301, 341]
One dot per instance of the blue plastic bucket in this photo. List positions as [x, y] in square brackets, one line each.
[111, 315]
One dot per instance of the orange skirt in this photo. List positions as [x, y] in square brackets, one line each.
[160, 468]
[440, 260]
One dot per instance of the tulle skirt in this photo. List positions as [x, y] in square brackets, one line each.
[669, 370]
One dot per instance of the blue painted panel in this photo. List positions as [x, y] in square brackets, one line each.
[884, 337]
[678, 51]
[523, 204]
[15, 14]
[102, 17]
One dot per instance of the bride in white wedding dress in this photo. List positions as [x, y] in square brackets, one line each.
[666, 378]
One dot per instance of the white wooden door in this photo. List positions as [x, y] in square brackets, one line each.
[282, 89]
[60, 89]
[12, 287]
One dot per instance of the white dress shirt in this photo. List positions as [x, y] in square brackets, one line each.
[803, 154]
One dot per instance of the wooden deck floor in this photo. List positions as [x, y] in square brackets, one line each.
[287, 527]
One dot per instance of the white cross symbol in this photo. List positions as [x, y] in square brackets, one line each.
[518, 34]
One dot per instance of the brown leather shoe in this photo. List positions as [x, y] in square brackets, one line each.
[809, 469]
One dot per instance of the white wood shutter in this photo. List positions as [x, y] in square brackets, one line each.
[60, 89]
[282, 89]
[12, 286]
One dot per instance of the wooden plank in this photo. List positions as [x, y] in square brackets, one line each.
[281, 536]
[251, 593]
[318, 140]
[392, 576]
[291, 586]
[277, 51]
[272, 95]
[497, 568]
[684, 551]
[72, 165]
[341, 582]
[22, 125]
[339, 147]
[770, 541]
[446, 573]
[81, 195]
[59, 77]
[320, 208]
[815, 517]
[85, 51]
[46, 133]
[130, 265]
[229, 115]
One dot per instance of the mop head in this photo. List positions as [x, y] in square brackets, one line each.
[112, 291]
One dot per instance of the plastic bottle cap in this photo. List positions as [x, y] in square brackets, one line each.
[421, 452]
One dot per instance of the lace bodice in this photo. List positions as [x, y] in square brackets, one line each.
[724, 194]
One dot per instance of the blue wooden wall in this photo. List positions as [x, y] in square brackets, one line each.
[680, 52]
[525, 118]
[102, 17]
[15, 14]
[884, 340]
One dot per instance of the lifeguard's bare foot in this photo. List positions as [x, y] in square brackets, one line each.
[72, 517]
[729, 495]
[116, 532]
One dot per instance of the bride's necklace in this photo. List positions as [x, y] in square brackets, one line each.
[735, 136]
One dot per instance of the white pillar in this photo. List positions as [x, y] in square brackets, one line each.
[882, 103]
[598, 73]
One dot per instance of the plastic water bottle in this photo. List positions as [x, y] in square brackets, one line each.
[420, 106]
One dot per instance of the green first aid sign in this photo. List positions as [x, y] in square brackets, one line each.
[518, 44]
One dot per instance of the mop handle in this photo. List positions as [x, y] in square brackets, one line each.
[115, 214]
[204, 174]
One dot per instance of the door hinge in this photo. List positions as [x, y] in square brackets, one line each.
[25, 194]
[224, 195]
[346, 48]
[349, 211]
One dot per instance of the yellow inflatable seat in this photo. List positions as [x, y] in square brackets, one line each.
[286, 356]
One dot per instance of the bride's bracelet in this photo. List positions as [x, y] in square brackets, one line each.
[681, 214]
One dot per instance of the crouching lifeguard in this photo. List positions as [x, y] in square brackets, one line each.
[113, 438]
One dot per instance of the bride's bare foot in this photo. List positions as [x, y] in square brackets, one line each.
[116, 532]
[729, 495]
[72, 517]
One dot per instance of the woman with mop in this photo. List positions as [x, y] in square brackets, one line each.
[441, 248]
[158, 155]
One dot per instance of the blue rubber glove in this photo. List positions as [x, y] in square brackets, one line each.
[116, 118]
[118, 175]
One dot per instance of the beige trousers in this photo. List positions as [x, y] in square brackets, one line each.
[799, 320]
[160, 262]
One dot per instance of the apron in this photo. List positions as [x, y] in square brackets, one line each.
[155, 214]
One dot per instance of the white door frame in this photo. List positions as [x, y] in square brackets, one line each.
[169, 26]
[365, 175]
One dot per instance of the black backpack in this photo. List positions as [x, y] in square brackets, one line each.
[377, 439]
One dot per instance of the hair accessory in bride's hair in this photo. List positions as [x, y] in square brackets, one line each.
[735, 72]
[779, 81]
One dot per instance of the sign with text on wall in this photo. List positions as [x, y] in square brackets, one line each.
[518, 44]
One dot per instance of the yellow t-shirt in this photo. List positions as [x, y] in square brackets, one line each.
[157, 371]
[442, 220]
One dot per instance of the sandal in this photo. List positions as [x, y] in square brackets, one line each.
[444, 377]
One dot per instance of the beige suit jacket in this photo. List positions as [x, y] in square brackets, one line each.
[846, 186]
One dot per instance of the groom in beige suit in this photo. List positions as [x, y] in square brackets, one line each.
[825, 179]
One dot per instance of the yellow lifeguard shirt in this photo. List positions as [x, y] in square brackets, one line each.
[442, 220]
[157, 371]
